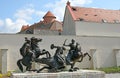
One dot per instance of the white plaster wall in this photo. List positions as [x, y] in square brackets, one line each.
[97, 29]
[68, 24]
[117, 54]
[3, 60]
[0, 62]
[104, 47]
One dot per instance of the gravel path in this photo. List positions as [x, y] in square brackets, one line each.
[115, 75]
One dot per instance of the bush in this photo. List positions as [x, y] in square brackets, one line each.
[8, 74]
[0, 75]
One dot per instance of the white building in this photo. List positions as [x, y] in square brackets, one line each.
[91, 21]
[97, 29]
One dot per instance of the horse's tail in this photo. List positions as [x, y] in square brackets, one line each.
[20, 65]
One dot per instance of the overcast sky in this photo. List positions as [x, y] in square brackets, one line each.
[15, 13]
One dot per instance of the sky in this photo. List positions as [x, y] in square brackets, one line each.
[15, 13]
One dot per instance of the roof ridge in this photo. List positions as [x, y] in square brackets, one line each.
[49, 14]
[95, 8]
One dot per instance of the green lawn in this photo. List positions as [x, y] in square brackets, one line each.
[110, 69]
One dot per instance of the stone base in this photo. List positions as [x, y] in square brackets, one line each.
[75, 74]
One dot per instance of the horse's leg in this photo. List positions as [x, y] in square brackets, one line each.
[81, 58]
[48, 54]
[20, 65]
[72, 65]
[28, 68]
[45, 67]
[88, 55]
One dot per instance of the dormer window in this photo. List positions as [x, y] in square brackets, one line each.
[103, 20]
[74, 9]
[81, 19]
[29, 32]
[95, 15]
[86, 14]
[116, 21]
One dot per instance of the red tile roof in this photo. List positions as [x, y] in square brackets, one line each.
[24, 27]
[94, 14]
[49, 14]
[50, 18]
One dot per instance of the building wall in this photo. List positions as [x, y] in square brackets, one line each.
[97, 29]
[103, 56]
[45, 32]
[28, 31]
[68, 24]
[0, 61]
[56, 26]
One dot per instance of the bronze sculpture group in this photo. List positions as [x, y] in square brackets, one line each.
[31, 52]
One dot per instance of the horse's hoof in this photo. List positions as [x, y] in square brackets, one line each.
[76, 68]
[38, 71]
[71, 70]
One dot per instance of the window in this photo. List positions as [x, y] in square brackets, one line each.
[95, 15]
[86, 14]
[74, 9]
[103, 20]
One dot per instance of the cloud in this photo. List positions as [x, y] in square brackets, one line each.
[22, 17]
[28, 13]
[40, 14]
[80, 2]
[58, 7]
[24, 13]
[13, 26]
[1, 23]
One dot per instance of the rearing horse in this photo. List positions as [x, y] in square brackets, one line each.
[54, 63]
[35, 48]
[27, 57]
[30, 51]
[77, 56]
[74, 55]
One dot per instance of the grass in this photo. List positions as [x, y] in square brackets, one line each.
[110, 69]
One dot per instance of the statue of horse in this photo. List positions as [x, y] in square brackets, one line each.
[77, 56]
[28, 54]
[52, 63]
[31, 52]
[26, 61]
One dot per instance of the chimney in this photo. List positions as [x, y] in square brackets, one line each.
[68, 3]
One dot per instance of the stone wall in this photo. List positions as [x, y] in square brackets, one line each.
[103, 49]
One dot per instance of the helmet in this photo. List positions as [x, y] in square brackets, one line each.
[33, 38]
[73, 40]
[52, 46]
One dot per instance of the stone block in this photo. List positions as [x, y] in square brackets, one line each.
[76, 74]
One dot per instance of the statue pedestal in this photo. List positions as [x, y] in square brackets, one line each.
[75, 74]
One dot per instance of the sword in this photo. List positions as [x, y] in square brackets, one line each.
[64, 42]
